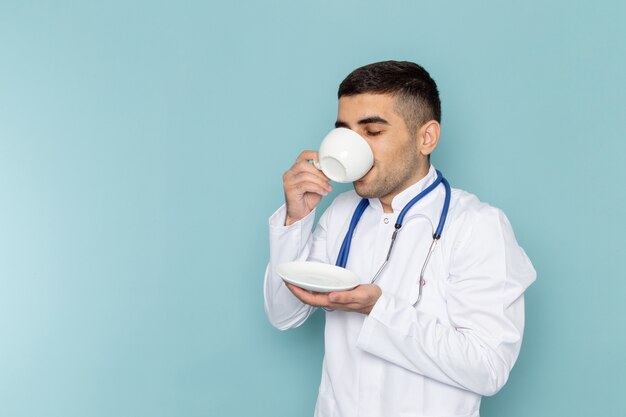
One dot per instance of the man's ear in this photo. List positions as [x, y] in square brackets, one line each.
[428, 137]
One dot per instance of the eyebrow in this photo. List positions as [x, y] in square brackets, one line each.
[366, 121]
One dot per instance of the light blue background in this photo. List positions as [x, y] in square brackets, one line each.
[141, 151]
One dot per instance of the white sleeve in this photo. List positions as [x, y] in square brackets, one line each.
[295, 242]
[489, 273]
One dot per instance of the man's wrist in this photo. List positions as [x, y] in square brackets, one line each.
[289, 221]
[375, 299]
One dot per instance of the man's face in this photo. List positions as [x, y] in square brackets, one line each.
[397, 160]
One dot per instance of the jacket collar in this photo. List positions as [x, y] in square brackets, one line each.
[429, 205]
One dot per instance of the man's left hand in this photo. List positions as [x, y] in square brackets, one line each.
[360, 299]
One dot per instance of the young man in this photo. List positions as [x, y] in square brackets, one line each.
[402, 346]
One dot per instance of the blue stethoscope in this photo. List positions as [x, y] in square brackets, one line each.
[342, 259]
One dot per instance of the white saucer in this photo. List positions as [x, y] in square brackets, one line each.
[318, 277]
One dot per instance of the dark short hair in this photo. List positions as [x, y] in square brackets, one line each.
[418, 97]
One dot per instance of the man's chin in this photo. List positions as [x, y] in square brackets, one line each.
[365, 187]
[363, 190]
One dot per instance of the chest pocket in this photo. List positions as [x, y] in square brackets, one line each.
[401, 278]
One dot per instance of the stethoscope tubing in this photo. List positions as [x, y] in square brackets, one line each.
[342, 258]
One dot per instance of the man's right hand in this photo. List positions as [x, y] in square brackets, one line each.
[304, 187]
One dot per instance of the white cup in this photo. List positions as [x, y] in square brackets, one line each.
[344, 156]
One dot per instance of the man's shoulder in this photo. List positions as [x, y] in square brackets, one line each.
[342, 205]
[349, 197]
[466, 207]
[345, 201]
